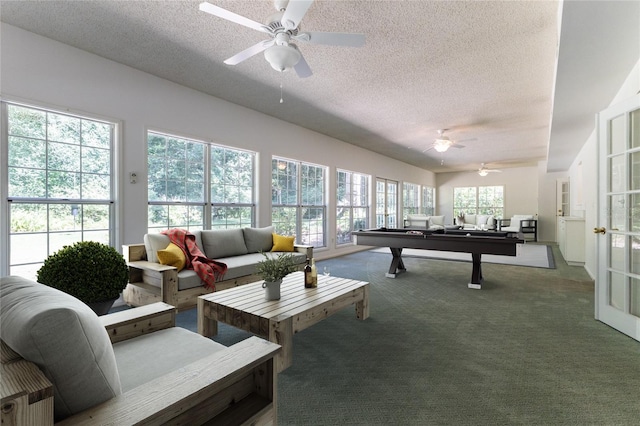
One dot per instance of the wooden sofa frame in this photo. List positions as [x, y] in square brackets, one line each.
[234, 386]
[151, 282]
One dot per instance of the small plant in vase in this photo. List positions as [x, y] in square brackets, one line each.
[273, 269]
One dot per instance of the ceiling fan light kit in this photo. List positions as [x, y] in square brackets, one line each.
[282, 57]
[442, 144]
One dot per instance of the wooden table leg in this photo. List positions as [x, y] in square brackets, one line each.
[397, 265]
[281, 332]
[207, 326]
[362, 307]
[476, 274]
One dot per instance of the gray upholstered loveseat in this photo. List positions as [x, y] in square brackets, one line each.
[239, 249]
[422, 221]
[133, 367]
[477, 221]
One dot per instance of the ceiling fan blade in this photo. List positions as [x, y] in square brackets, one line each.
[293, 14]
[333, 39]
[456, 145]
[302, 68]
[233, 17]
[247, 53]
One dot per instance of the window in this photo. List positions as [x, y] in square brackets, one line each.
[181, 169]
[352, 204]
[428, 200]
[298, 201]
[479, 200]
[411, 199]
[59, 183]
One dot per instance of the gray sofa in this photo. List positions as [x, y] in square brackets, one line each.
[131, 367]
[239, 249]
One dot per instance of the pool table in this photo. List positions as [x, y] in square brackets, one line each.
[466, 241]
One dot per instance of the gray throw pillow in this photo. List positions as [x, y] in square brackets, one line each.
[258, 239]
[223, 243]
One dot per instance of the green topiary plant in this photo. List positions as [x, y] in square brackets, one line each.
[275, 268]
[88, 270]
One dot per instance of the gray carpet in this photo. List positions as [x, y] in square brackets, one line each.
[523, 350]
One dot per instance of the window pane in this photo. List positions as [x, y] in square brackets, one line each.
[27, 153]
[27, 122]
[312, 227]
[63, 128]
[284, 220]
[51, 156]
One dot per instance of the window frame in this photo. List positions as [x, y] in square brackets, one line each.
[349, 205]
[495, 210]
[206, 205]
[80, 204]
[300, 204]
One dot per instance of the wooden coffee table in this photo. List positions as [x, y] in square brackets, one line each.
[245, 307]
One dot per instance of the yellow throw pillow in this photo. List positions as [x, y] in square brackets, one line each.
[282, 243]
[172, 256]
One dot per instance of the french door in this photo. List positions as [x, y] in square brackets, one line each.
[386, 203]
[618, 242]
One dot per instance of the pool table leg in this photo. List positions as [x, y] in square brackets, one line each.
[476, 275]
[397, 265]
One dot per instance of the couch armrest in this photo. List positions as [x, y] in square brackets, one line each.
[133, 252]
[308, 250]
[135, 322]
[236, 385]
[154, 279]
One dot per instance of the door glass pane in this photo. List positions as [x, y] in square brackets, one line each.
[634, 211]
[392, 205]
[635, 254]
[617, 174]
[635, 297]
[617, 144]
[635, 171]
[616, 290]
[635, 128]
[616, 252]
[380, 203]
[618, 212]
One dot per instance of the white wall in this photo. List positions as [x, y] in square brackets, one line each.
[520, 189]
[48, 73]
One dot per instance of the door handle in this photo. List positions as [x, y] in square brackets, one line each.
[602, 230]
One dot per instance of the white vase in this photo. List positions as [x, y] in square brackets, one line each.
[272, 289]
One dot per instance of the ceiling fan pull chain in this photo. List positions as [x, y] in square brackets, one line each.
[281, 100]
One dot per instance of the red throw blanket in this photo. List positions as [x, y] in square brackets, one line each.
[208, 270]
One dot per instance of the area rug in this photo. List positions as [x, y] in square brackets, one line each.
[534, 255]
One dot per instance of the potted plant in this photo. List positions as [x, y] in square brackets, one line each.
[90, 271]
[272, 270]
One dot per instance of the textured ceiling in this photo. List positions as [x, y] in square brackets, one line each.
[483, 69]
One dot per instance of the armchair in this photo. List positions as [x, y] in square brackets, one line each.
[521, 224]
[61, 362]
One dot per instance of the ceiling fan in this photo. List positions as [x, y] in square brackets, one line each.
[483, 171]
[283, 27]
[443, 143]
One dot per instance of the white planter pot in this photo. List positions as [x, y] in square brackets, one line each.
[272, 290]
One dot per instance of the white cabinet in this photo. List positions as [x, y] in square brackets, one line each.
[571, 239]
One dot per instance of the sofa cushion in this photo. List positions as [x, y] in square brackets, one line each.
[172, 256]
[62, 336]
[283, 243]
[240, 266]
[258, 239]
[223, 243]
[436, 220]
[470, 219]
[172, 348]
